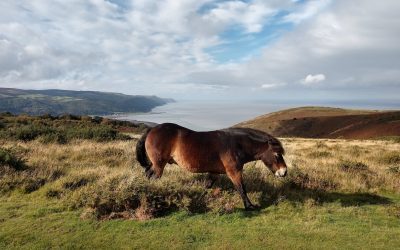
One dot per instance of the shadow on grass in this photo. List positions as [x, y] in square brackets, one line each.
[320, 197]
[294, 189]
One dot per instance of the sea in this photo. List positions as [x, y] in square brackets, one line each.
[204, 115]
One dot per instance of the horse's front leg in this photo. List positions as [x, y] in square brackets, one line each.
[237, 179]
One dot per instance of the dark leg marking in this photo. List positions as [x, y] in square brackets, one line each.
[236, 178]
[149, 173]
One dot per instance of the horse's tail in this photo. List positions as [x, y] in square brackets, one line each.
[141, 154]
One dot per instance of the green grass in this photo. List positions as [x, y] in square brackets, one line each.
[71, 196]
[31, 222]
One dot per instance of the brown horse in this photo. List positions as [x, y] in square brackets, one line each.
[214, 152]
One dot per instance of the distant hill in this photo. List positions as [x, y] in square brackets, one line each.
[56, 102]
[325, 122]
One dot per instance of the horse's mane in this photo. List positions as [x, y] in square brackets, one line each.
[258, 135]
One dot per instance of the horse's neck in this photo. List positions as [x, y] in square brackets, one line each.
[254, 149]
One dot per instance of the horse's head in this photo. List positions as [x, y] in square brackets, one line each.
[273, 158]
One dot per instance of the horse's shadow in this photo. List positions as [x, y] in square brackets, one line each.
[291, 191]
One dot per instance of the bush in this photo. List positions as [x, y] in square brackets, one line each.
[30, 132]
[6, 114]
[56, 137]
[97, 119]
[51, 129]
[69, 117]
[7, 158]
[32, 184]
[102, 133]
[26, 133]
[114, 196]
[47, 116]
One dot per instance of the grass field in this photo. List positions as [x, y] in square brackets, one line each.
[88, 194]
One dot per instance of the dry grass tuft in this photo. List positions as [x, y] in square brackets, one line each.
[301, 180]
[394, 169]
[352, 166]
[319, 154]
[9, 158]
[392, 157]
[144, 211]
[105, 180]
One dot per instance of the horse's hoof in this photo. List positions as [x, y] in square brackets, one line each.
[252, 207]
[149, 173]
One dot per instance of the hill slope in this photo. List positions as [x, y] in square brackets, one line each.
[324, 122]
[55, 102]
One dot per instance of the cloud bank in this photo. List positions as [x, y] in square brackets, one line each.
[170, 47]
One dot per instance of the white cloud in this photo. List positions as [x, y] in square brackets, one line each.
[309, 10]
[272, 85]
[348, 41]
[250, 15]
[141, 45]
[98, 43]
[149, 46]
[312, 79]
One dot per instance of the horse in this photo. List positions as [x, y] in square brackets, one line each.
[215, 152]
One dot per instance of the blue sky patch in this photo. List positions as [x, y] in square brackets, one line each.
[240, 45]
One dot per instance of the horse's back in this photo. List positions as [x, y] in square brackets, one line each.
[195, 151]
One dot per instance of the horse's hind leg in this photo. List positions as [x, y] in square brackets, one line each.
[159, 156]
[150, 173]
[237, 179]
[156, 169]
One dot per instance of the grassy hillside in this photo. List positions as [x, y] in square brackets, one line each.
[324, 122]
[89, 194]
[64, 128]
[56, 102]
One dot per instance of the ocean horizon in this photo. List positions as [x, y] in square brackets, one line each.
[211, 115]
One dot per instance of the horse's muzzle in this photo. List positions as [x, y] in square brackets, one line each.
[281, 172]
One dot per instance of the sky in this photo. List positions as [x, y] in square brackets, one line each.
[285, 50]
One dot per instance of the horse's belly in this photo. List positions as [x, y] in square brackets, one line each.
[199, 164]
